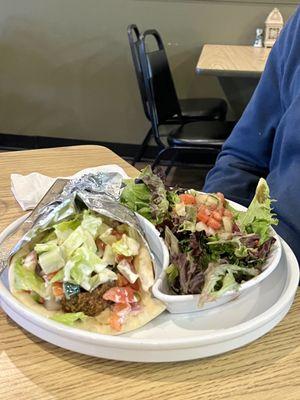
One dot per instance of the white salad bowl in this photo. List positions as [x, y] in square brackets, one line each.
[190, 303]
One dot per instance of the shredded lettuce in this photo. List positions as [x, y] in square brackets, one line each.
[27, 280]
[82, 265]
[64, 229]
[77, 239]
[91, 223]
[69, 318]
[104, 276]
[50, 257]
[107, 237]
[126, 246]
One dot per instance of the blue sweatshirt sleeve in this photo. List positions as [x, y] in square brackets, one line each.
[246, 154]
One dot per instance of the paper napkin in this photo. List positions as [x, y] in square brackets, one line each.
[30, 189]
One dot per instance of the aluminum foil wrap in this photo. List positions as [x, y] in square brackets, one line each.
[98, 192]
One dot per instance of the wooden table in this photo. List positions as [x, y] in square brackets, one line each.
[224, 60]
[31, 369]
[238, 69]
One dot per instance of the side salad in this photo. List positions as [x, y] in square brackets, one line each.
[213, 247]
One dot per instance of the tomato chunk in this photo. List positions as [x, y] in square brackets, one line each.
[213, 223]
[118, 316]
[187, 199]
[204, 209]
[57, 289]
[217, 215]
[201, 216]
[123, 295]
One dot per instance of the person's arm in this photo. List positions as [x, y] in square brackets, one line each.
[247, 152]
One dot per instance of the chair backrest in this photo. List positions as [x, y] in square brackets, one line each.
[161, 93]
[134, 42]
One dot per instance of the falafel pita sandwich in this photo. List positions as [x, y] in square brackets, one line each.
[86, 263]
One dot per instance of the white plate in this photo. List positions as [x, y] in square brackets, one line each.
[174, 337]
[190, 303]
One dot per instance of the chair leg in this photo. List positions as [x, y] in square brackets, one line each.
[142, 148]
[173, 159]
[159, 156]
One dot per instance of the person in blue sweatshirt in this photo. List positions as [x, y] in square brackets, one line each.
[266, 140]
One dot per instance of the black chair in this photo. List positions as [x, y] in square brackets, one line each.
[162, 105]
[187, 110]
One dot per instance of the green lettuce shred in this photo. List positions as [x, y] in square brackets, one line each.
[26, 279]
[69, 318]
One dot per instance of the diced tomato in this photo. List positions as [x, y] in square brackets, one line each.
[122, 281]
[204, 209]
[217, 215]
[100, 244]
[228, 213]
[123, 295]
[57, 289]
[187, 199]
[118, 316]
[213, 223]
[201, 216]
[203, 213]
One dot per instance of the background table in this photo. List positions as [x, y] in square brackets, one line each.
[226, 60]
[31, 369]
[238, 69]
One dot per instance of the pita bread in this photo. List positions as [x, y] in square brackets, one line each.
[150, 307]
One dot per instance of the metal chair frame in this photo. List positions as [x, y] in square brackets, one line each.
[134, 37]
[155, 118]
